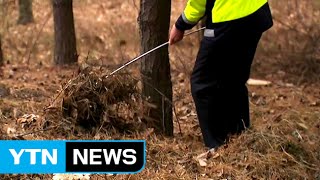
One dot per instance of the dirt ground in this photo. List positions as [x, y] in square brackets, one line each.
[283, 142]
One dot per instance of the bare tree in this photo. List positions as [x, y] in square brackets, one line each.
[65, 50]
[25, 12]
[154, 20]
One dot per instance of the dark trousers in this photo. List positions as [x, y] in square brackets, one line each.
[218, 82]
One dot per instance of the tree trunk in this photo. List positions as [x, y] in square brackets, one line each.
[25, 12]
[154, 19]
[1, 55]
[65, 50]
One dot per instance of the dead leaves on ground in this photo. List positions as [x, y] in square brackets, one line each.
[204, 157]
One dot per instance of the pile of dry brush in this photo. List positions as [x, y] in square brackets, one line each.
[92, 100]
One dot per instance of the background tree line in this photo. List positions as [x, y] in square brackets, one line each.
[155, 68]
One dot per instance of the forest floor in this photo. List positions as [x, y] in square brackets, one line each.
[283, 142]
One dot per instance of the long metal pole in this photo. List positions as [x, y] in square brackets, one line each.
[148, 52]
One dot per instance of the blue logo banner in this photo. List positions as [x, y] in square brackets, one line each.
[75, 156]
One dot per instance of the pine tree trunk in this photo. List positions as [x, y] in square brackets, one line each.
[154, 19]
[65, 50]
[25, 12]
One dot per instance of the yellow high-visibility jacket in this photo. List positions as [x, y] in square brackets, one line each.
[223, 10]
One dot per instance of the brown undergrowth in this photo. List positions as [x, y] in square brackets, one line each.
[94, 102]
[292, 47]
[39, 101]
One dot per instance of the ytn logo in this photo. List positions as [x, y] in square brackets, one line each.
[52, 157]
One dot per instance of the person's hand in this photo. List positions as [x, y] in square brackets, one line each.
[175, 35]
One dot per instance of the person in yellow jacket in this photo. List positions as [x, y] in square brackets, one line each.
[222, 68]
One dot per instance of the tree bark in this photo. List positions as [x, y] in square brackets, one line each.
[1, 54]
[154, 21]
[25, 12]
[65, 50]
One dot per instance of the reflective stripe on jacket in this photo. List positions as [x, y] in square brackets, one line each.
[223, 10]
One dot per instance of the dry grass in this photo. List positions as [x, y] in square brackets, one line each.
[283, 142]
[291, 48]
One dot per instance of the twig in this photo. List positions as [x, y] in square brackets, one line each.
[135, 5]
[37, 37]
[163, 114]
[175, 114]
[5, 6]
[165, 98]
[304, 165]
[265, 139]
[61, 91]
